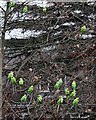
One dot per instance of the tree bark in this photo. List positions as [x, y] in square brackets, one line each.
[0, 77]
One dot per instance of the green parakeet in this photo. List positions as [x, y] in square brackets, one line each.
[30, 89]
[23, 98]
[39, 98]
[60, 100]
[75, 101]
[83, 29]
[74, 85]
[21, 81]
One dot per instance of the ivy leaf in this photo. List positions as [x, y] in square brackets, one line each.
[24, 98]
[30, 89]
[39, 99]
[21, 81]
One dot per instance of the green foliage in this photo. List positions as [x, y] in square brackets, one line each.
[39, 98]
[74, 85]
[24, 98]
[58, 84]
[69, 95]
[83, 29]
[10, 75]
[73, 94]
[60, 100]
[11, 4]
[13, 80]
[30, 89]
[75, 102]
[25, 9]
[21, 81]
[67, 91]
[44, 9]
